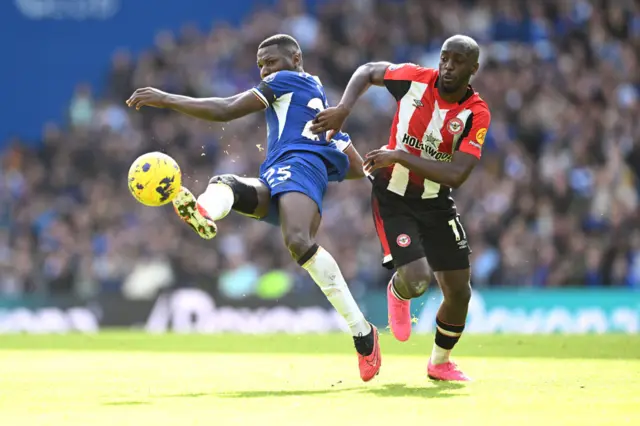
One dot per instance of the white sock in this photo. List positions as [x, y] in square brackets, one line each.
[439, 355]
[217, 200]
[326, 273]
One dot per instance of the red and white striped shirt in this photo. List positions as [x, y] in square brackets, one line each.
[427, 126]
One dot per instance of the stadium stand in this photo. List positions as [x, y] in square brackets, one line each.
[554, 202]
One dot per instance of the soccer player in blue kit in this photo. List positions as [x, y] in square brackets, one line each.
[293, 178]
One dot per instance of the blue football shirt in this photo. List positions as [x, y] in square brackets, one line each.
[293, 99]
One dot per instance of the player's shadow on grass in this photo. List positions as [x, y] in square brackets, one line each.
[118, 403]
[436, 390]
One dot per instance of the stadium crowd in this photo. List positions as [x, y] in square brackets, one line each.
[554, 201]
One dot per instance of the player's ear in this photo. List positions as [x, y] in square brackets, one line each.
[297, 59]
[474, 70]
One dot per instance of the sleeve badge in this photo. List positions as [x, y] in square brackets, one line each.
[480, 135]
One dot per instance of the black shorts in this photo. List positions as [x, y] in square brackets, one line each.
[408, 230]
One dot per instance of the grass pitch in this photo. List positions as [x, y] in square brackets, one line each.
[121, 378]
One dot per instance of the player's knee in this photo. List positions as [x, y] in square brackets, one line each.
[457, 294]
[415, 279]
[416, 287]
[298, 242]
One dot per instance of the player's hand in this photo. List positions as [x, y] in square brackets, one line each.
[380, 158]
[148, 96]
[330, 120]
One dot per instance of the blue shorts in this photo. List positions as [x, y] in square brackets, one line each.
[298, 171]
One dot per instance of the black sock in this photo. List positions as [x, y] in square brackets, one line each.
[364, 344]
[447, 335]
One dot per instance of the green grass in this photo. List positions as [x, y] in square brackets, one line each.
[136, 379]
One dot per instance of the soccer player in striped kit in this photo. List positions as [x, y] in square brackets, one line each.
[435, 142]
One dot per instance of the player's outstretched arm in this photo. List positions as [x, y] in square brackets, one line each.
[452, 174]
[367, 75]
[332, 119]
[212, 109]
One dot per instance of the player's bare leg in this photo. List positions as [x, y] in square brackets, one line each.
[248, 196]
[300, 220]
[450, 322]
[410, 281]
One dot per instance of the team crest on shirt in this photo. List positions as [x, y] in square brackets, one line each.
[403, 240]
[455, 126]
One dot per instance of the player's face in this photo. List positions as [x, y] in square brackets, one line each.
[271, 59]
[456, 68]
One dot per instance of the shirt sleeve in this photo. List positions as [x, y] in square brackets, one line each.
[472, 138]
[272, 87]
[398, 78]
[342, 140]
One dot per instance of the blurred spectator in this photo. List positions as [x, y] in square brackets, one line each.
[553, 202]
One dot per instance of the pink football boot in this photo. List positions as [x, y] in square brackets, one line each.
[447, 372]
[399, 312]
[369, 365]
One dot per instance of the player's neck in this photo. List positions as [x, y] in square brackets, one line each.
[453, 97]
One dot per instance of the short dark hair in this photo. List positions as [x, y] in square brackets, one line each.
[283, 41]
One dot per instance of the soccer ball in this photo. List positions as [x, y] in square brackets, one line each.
[154, 179]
